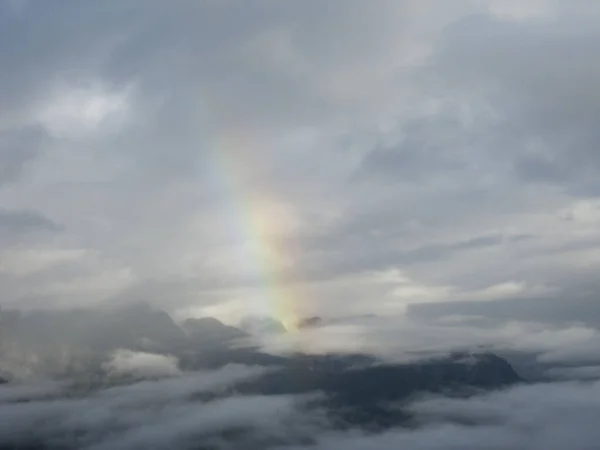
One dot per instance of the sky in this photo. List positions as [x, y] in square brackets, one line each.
[292, 158]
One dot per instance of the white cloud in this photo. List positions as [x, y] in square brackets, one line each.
[29, 261]
[76, 112]
[141, 365]
[399, 338]
[579, 353]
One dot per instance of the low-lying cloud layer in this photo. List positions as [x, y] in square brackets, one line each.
[402, 339]
[159, 414]
[163, 414]
[541, 417]
[141, 364]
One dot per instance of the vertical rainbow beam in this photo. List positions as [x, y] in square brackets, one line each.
[265, 253]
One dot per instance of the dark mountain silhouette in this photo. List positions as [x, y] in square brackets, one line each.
[208, 330]
[358, 389]
[137, 326]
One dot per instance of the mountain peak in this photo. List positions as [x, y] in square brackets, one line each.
[211, 329]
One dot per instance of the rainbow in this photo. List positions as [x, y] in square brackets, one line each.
[254, 220]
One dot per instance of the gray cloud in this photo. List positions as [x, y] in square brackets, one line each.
[575, 373]
[544, 105]
[17, 149]
[575, 303]
[401, 338]
[545, 416]
[26, 221]
[442, 142]
[161, 414]
[155, 414]
[435, 164]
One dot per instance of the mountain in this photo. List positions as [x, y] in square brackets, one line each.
[131, 326]
[208, 330]
[359, 390]
[208, 343]
[137, 326]
[353, 390]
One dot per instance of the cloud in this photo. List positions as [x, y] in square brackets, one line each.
[340, 139]
[22, 229]
[174, 411]
[26, 221]
[582, 354]
[398, 338]
[549, 109]
[29, 261]
[575, 373]
[161, 414]
[432, 162]
[76, 112]
[28, 392]
[156, 414]
[18, 148]
[141, 365]
[544, 416]
[572, 304]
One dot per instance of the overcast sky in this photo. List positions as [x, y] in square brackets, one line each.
[364, 155]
